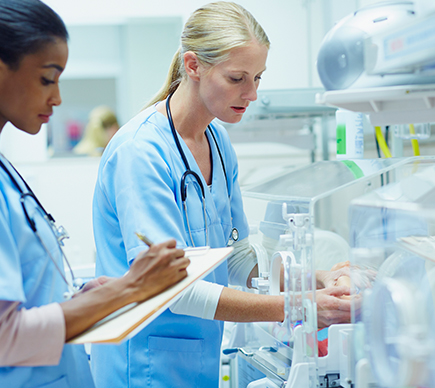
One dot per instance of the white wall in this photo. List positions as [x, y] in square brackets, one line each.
[295, 28]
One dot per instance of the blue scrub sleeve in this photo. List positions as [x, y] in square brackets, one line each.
[137, 181]
[11, 280]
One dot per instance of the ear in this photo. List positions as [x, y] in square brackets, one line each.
[191, 65]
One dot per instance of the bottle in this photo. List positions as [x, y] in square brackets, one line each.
[350, 134]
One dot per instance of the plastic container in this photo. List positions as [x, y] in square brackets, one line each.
[412, 131]
[350, 134]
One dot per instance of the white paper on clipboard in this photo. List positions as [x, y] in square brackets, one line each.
[129, 320]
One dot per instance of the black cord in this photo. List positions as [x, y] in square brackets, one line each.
[387, 128]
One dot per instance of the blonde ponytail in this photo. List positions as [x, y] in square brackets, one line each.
[172, 81]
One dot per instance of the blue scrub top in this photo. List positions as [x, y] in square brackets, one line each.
[28, 276]
[138, 190]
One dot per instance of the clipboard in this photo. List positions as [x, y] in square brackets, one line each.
[129, 320]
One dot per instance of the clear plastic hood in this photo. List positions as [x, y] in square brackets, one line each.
[300, 221]
[393, 237]
[320, 179]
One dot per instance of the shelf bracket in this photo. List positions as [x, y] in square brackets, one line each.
[429, 102]
[376, 105]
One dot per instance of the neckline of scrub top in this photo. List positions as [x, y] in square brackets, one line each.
[163, 124]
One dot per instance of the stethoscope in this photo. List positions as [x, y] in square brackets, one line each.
[59, 233]
[234, 236]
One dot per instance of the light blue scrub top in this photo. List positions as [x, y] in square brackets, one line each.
[27, 275]
[138, 190]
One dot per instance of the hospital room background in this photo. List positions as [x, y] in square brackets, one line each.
[119, 57]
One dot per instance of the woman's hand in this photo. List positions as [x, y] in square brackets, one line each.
[151, 272]
[157, 269]
[332, 308]
[340, 275]
[326, 279]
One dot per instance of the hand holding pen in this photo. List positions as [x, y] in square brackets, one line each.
[158, 268]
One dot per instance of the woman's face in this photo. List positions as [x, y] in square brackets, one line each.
[28, 94]
[227, 88]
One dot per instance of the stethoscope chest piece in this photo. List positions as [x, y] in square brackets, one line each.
[234, 234]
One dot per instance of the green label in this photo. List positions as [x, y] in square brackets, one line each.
[341, 139]
[354, 168]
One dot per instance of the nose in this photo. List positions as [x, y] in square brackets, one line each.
[250, 93]
[55, 98]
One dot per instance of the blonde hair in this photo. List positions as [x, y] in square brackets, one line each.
[211, 32]
[95, 137]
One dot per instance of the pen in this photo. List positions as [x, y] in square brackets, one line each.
[144, 239]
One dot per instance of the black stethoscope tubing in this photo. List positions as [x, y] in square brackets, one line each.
[49, 218]
[183, 156]
[234, 232]
[30, 193]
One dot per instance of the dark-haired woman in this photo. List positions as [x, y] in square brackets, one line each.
[35, 320]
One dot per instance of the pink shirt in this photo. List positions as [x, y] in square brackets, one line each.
[32, 337]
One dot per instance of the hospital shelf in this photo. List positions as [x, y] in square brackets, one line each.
[296, 102]
[286, 116]
[387, 105]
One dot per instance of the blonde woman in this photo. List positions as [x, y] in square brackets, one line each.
[172, 172]
[101, 127]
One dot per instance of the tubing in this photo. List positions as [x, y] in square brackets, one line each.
[414, 142]
[382, 143]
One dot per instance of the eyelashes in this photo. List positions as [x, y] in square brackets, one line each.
[46, 81]
[236, 80]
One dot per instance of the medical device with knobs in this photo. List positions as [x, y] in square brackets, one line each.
[262, 281]
[298, 224]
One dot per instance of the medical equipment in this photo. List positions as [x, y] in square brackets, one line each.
[59, 233]
[288, 233]
[234, 235]
[390, 74]
[388, 343]
[288, 117]
[393, 229]
[342, 61]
